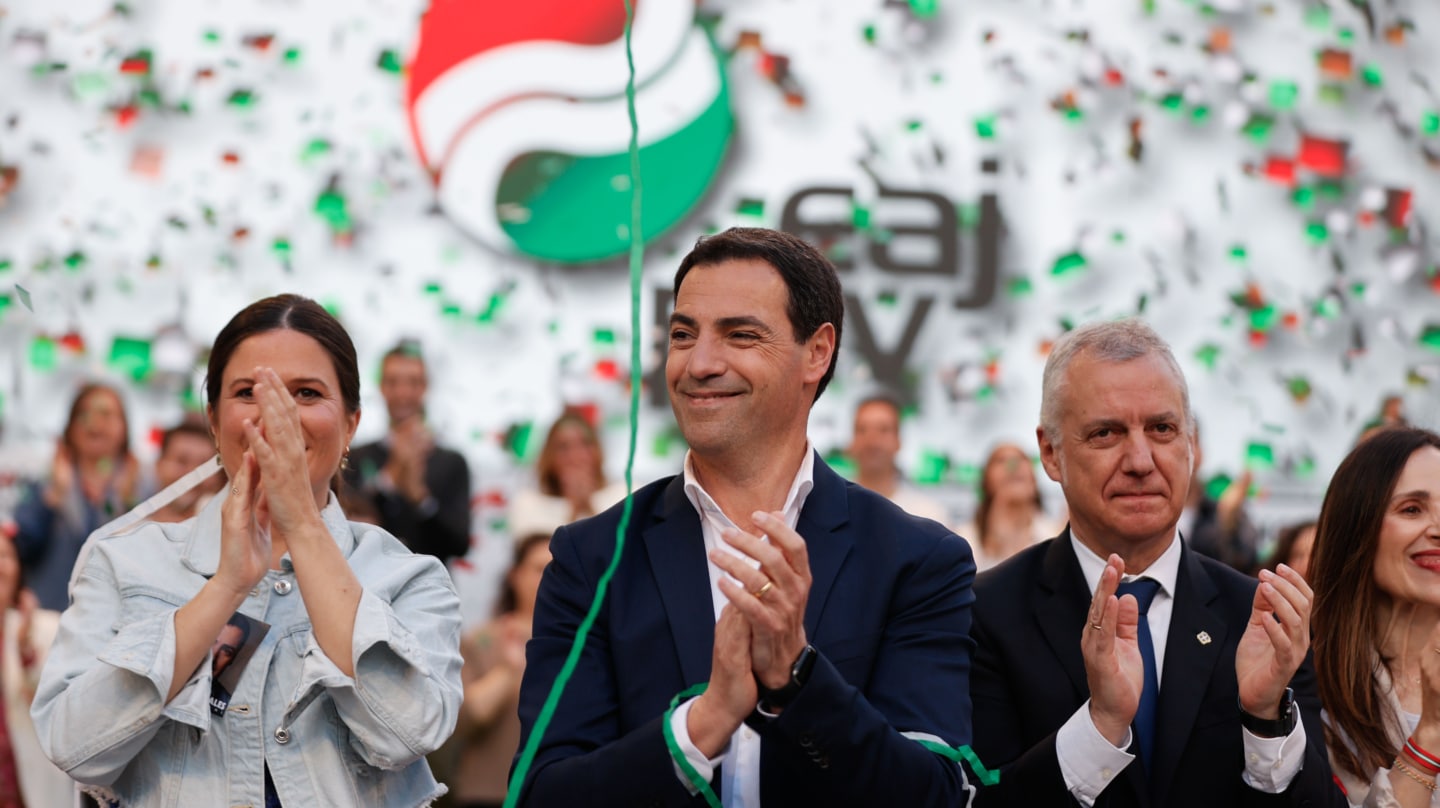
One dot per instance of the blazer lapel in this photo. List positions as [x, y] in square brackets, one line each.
[1189, 664]
[821, 521]
[1061, 606]
[676, 548]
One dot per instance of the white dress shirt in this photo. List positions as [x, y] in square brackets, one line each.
[1089, 762]
[739, 762]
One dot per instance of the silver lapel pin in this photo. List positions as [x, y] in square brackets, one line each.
[1203, 637]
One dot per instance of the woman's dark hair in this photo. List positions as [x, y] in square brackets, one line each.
[1345, 622]
[815, 297]
[1285, 543]
[85, 391]
[508, 600]
[294, 313]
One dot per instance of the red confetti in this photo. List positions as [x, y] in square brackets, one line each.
[1324, 157]
[1397, 207]
[73, 342]
[1114, 77]
[126, 115]
[1258, 339]
[230, 158]
[1291, 321]
[1280, 170]
[156, 436]
[135, 66]
[260, 42]
[607, 369]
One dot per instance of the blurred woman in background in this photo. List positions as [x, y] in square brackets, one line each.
[93, 479]
[488, 735]
[1376, 619]
[1011, 516]
[571, 480]
[1294, 548]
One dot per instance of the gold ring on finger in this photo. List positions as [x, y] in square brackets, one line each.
[1097, 627]
[760, 593]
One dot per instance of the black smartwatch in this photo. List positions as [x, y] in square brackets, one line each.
[1268, 727]
[772, 701]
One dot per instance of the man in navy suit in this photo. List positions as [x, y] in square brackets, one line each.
[1189, 688]
[832, 627]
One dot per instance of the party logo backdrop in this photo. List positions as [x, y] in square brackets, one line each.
[519, 112]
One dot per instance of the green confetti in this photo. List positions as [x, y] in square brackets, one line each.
[1357, 290]
[331, 207]
[1238, 253]
[1264, 318]
[1118, 237]
[1258, 128]
[450, 309]
[291, 56]
[241, 99]
[432, 288]
[914, 125]
[492, 309]
[317, 147]
[860, 217]
[517, 438]
[89, 85]
[1259, 456]
[1327, 307]
[1207, 355]
[754, 208]
[1298, 387]
[5, 264]
[1305, 467]
[1304, 197]
[1370, 74]
[1430, 123]
[1215, 486]
[968, 474]
[985, 127]
[1345, 34]
[1172, 102]
[604, 336]
[932, 467]
[869, 33]
[967, 215]
[1332, 93]
[925, 9]
[1200, 114]
[389, 61]
[281, 247]
[1316, 232]
[887, 298]
[130, 356]
[75, 261]
[1430, 337]
[1020, 287]
[1068, 264]
[1284, 94]
[212, 36]
[43, 354]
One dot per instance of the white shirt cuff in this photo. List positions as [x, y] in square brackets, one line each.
[679, 724]
[1272, 763]
[1088, 762]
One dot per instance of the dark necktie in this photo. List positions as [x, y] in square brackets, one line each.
[1144, 589]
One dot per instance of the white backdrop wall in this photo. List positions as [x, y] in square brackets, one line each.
[168, 162]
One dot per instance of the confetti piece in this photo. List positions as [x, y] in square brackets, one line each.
[751, 207]
[241, 99]
[1430, 337]
[389, 61]
[130, 356]
[1259, 456]
[24, 296]
[1283, 94]
[1068, 264]
[932, 467]
[1020, 287]
[1335, 64]
[985, 127]
[43, 355]
[1324, 156]
[1299, 389]
[1430, 123]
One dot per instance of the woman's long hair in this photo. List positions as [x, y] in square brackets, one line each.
[1345, 621]
[987, 496]
[547, 466]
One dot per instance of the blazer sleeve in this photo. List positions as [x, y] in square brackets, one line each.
[847, 746]
[1028, 776]
[583, 758]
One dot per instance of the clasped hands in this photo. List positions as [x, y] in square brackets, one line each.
[761, 631]
[1276, 639]
[271, 489]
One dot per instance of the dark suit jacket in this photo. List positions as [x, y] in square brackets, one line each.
[445, 533]
[889, 612]
[1030, 678]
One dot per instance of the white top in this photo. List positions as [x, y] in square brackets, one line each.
[739, 762]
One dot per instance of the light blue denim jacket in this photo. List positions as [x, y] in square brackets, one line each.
[328, 738]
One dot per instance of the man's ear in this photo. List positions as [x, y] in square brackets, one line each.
[1049, 454]
[819, 350]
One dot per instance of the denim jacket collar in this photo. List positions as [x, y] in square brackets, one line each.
[202, 546]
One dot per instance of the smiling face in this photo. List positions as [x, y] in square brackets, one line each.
[1122, 453]
[1008, 475]
[738, 380]
[309, 376]
[403, 384]
[98, 429]
[1407, 558]
[876, 439]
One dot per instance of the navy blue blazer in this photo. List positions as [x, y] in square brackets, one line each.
[889, 613]
[1030, 678]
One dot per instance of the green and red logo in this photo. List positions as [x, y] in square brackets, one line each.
[519, 112]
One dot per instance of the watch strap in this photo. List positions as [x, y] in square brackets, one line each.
[1272, 727]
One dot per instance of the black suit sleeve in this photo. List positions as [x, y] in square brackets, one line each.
[583, 759]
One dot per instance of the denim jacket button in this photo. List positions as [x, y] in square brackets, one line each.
[282, 736]
[282, 587]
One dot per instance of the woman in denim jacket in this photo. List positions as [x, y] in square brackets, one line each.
[356, 674]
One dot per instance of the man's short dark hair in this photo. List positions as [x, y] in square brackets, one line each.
[405, 348]
[893, 402]
[810, 278]
[189, 425]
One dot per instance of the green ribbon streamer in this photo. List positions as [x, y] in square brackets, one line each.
[637, 254]
[701, 785]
